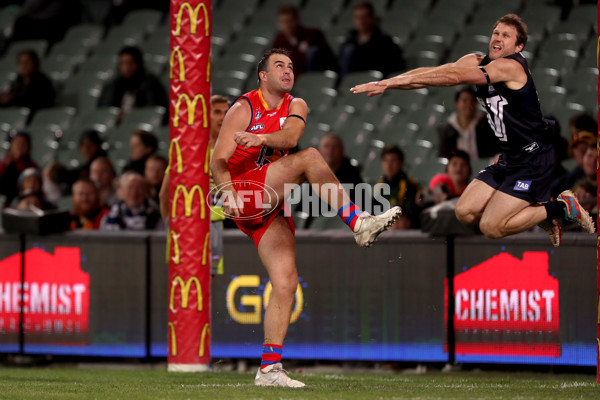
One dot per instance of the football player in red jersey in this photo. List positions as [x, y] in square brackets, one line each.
[251, 155]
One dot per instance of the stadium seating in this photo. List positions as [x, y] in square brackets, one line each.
[561, 53]
[13, 119]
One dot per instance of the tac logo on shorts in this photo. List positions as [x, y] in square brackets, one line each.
[256, 127]
[522, 186]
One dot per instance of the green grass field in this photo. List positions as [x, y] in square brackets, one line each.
[73, 383]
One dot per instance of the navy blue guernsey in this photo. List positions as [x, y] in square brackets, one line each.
[515, 115]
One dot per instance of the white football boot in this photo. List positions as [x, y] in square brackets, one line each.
[275, 375]
[368, 226]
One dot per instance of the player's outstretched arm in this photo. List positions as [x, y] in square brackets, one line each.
[442, 75]
[284, 139]
[236, 120]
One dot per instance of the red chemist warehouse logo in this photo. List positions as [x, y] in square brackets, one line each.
[507, 306]
[56, 296]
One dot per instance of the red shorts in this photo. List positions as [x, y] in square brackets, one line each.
[253, 221]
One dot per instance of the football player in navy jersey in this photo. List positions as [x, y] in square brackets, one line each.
[512, 195]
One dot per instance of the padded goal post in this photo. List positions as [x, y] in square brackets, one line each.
[188, 249]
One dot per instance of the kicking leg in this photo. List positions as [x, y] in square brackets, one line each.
[277, 251]
[309, 165]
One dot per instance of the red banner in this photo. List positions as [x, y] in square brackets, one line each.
[189, 214]
[507, 306]
[55, 294]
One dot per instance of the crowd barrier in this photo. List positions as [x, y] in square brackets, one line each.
[515, 300]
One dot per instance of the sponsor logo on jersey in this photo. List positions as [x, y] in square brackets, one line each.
[271, 114]
[522, 186]
[282, 121]
[256, 127]
[531, 147]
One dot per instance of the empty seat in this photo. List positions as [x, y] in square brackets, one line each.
[318, 100]
[59, 116]
[119, 37]
[552, 98]
[407, 100]
[316, 80]
[229, 83]
[74, 52]
[103, 65]
[147, 20]
[581, 80]
[86, 35]
[152, 116]
[545, 77]
[13, 118]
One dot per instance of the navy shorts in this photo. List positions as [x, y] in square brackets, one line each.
[527, 178]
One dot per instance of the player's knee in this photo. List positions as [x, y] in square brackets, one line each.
[492, 229]
[287, 286]
[465, 215]
[312, 155]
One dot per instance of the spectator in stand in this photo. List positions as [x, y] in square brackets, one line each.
[331, 148]
[31, 88]
[454, 181]
[583, 129]
[404, 191]
[586, 190]
[580, 144]
[141, 146]
[154, 173]
[16, 161]
[133, 87]
[30, 191]
[590, 161]
[87, 210]
[102, 173]
[367, 47]
[467, 129]
[308, 47]
[136, 210]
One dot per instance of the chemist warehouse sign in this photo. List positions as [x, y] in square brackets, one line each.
[55, 296]
[507, 306]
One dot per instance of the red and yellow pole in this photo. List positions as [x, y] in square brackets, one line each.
[189, 214]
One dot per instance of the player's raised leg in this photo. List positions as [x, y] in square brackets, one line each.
[473, 201]
[277, 251]
[309, 165]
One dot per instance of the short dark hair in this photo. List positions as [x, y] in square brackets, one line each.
[92, 135]
[263, 63]
[32, 54]
[287, 8]
[515, 21]
[464, 89]
[147, 138]
[392, 149]
[219, 98]
[584, 122]
[85, 179]
[364, 4]
[105, 160]
[158, 157]
[136, 54]
[457, 153]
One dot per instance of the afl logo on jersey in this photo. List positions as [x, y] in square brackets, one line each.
[256, 128]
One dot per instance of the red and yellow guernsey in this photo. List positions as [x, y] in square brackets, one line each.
[263, 122]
